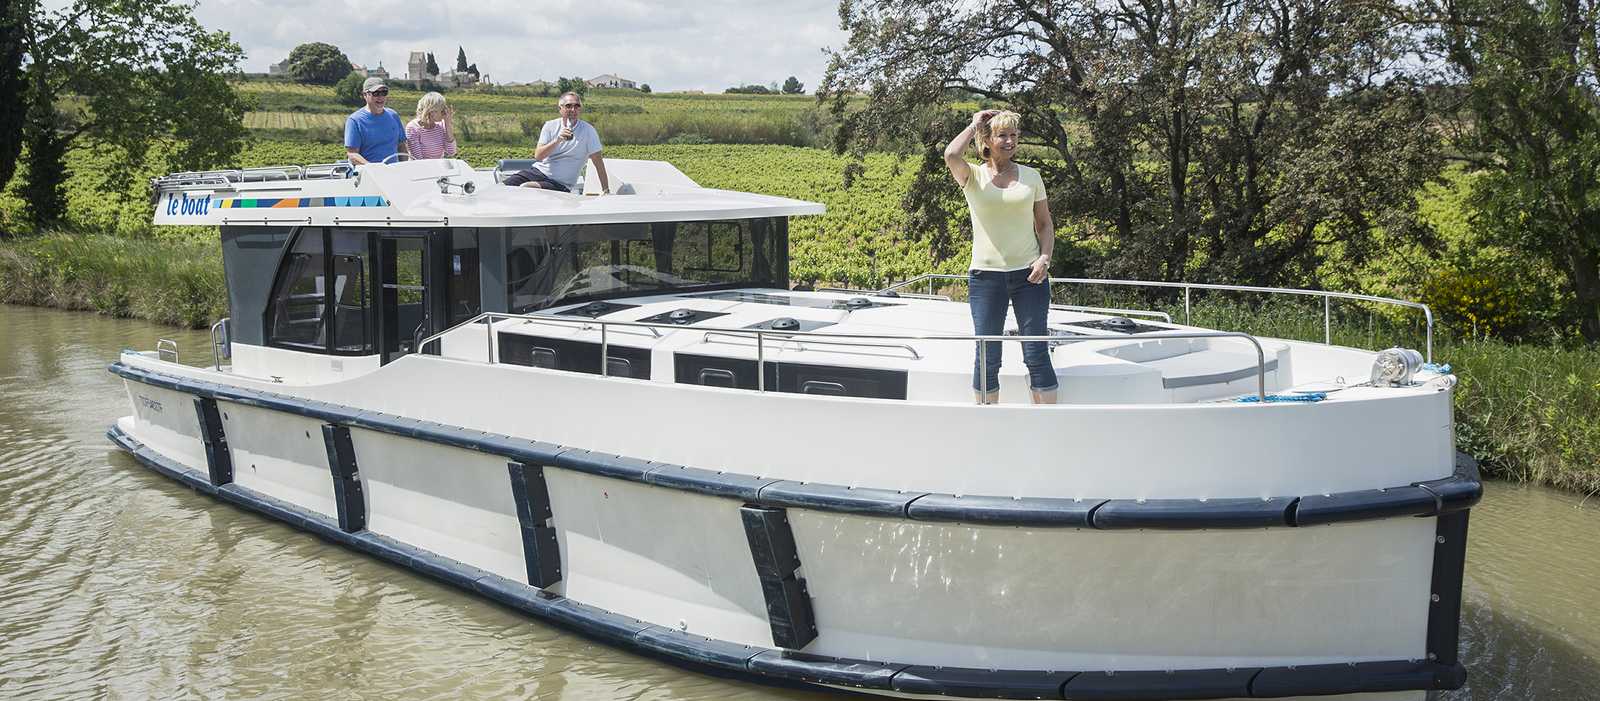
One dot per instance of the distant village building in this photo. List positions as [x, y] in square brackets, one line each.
[279, 68]
[379, 72]
[417, 71]
[611, 81]
[417, 66]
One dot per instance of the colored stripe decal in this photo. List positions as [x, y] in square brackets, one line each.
[302, 202]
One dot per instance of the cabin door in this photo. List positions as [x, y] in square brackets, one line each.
[404, 291]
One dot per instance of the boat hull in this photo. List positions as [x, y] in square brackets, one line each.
[884, 590]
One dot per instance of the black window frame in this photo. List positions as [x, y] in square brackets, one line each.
[330, 301]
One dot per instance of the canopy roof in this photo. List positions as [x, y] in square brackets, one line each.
[435, 193]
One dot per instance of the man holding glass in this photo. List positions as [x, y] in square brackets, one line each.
[564, 144]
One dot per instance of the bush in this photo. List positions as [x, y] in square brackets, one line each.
[1481, 302]
[347, 91]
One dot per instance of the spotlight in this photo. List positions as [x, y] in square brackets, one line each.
[1395, 367]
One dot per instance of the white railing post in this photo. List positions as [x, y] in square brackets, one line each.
[761, 362]
[1327, 322]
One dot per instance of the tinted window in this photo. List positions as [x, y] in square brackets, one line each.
[351, 333]
[306, 312]
[463, 275]
[299, 303]
[546, 266]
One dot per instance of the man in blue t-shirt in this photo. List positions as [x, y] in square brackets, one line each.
[374, 132]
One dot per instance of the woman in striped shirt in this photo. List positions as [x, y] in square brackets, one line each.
[430, 134]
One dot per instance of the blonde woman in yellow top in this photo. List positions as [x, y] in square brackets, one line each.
[1012, 238]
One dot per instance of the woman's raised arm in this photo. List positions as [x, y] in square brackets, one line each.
[953, 158]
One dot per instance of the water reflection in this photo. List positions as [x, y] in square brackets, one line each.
[116, 582]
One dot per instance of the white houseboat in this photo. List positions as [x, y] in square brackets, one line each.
[614, 414]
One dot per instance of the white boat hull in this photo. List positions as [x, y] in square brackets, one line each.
[1144, 546]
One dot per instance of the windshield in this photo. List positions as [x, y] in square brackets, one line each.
[551, 265]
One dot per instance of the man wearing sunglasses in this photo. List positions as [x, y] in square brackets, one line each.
[374, 132]
[564, 144]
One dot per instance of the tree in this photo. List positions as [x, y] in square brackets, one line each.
[13, 83]
[144, 74]
[472, 70]
[348, 91]
[644, 88]
[751, 89]
[1529, 115]
[461, 60]
[1191, 138]
[793, 86]
[318, 63]
[563, 85]
[433, 66]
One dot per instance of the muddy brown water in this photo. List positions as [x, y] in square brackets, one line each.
[119, 583]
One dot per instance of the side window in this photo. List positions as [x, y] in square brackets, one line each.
[716, 246]
[298, 310]
[463, 275]
[529, 251]
[351, 301]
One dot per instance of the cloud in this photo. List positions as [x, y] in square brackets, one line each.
[708, 45]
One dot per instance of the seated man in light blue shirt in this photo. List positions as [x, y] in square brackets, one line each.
[564, 144]
[374, 132]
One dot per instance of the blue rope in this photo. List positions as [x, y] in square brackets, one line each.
[1296, 397]
[1440, 368]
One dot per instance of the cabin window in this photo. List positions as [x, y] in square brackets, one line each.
[547, 266]
[306, 312]
[350, 292]
[463, 276]
[299, 305]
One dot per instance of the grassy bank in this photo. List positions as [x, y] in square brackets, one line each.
[172, 282]
[1528, 412]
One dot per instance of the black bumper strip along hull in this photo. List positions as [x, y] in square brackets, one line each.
[789, 668]
[1422, 499]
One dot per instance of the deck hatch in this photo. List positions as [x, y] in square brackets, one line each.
[595, 310]
[540, 548]
[682, 317]
[797, 378]
[1119, 325]
[776, 560]
[219, 461]
[573, 356]
[347, 494]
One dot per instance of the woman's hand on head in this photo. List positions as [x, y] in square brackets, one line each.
[982, 116]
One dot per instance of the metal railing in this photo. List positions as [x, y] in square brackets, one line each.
[1152, 313]
[221, 342]
[762, 336]
[167, 350]
[227, 178]
[1188, 287]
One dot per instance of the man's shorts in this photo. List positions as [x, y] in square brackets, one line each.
[533, 175]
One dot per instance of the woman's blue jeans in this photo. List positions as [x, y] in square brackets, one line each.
[988, 294]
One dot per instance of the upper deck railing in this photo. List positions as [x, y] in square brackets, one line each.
[1188, 287]
[228, 178]
[763, 337]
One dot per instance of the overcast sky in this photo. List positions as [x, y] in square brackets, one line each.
[707, 45]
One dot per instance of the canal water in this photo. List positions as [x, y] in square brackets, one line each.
[118, 583]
